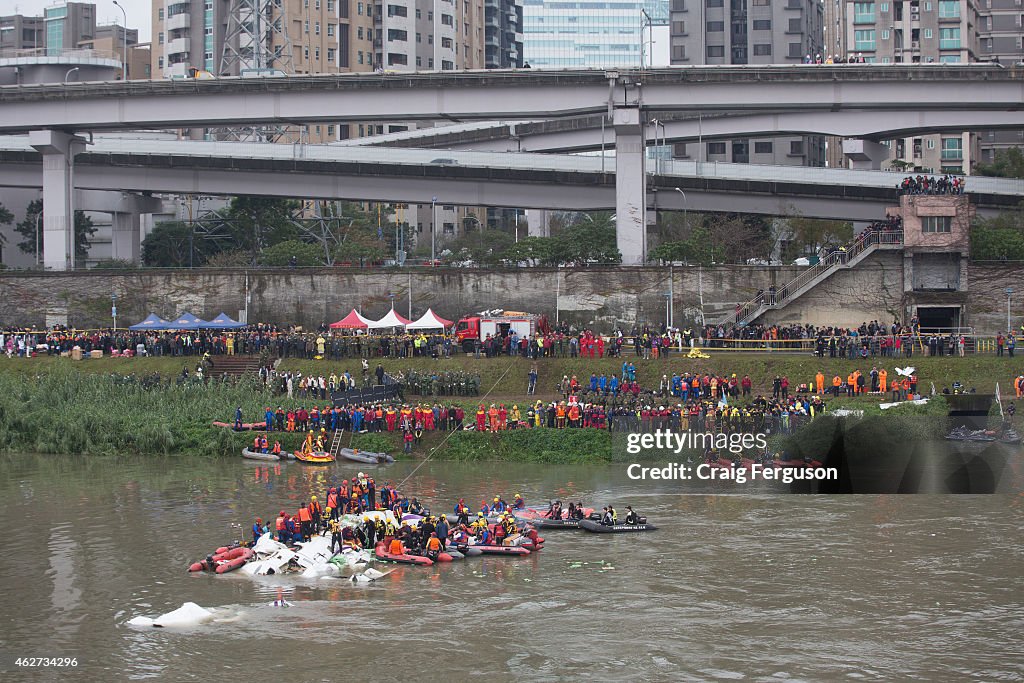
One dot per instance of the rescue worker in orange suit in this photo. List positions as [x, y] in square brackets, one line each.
[836, 383]
[305, 523]
[332, 502]
[315, 511]
[277, 448]
[433, 547]
[281, 528]
[481, 417]
[883, 377]
[819, 383]
[396, 547]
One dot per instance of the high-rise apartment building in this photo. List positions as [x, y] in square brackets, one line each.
[749, 32]
[1000, 39]
[912, 31]
[575, 34]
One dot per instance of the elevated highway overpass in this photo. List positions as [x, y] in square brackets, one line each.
[550, 181]
[498, 95]
[629, 99]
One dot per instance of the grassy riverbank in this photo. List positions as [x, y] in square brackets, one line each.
[107, 406]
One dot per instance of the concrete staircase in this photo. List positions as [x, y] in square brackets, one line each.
[235, 366]
[843, 258]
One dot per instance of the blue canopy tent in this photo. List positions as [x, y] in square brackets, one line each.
[152, 322]
[186, 322]
[222, 322]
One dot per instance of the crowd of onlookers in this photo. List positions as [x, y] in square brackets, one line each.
[925, 184]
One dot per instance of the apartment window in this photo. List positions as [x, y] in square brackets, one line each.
[419, 38]
[678, 5]
[936, 224]
[949, 59]
[678, 52]
[864, 40]
[330, 29]
[418, 13]
[447, 20]
[305, 54]
[396, 34]
[330, 54]
[796, 147]
[359, 33]
[419, 62]
[160, 38]
[762, 148]
[446, 42]
[369, 10]
[795, 51]
[398, 11]
[208, 31]
[430, 39]
[430, 15]
[761, 3]
[714, 3]
[949, 9]
[716, 50]
[883, 8]
[160, 62]
[207, 56]
[716, 26]
[430, 63]
[930, 143]
[330, 8]
[863, 12]
[447, 66]
[359, 8]
[952, 149]
[927, 7]
[796, 25]
[927, 34]
[361, 131]
[678, 28]
[317, 28]
[359, 60]
[317, 5]
[716, 148]
[397, 58]
[316, 53]
[949, 38]
[306, 26]
[160, 14]
[885, 34]
[762, 24]
[762, 49]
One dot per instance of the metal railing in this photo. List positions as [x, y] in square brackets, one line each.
[74, 53]
[833, 261]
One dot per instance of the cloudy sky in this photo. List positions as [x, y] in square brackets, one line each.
[106, 13]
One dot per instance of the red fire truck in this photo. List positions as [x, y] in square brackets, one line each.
[495, 324]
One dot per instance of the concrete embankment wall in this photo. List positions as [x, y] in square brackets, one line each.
[600, 297]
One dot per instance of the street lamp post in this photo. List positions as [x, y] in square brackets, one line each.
[68, 74]
[433, 227]
[668, 314]
[124, 42]
[1009, 325]
[686, 223]
[38, 250]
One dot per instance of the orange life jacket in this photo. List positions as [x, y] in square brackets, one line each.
[433, 544]
[304, 515]
[396, 547]
[279, 523]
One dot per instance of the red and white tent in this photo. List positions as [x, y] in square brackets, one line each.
[390, 320]
[352, 321]
[429, 321]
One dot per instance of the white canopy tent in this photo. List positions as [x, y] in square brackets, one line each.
[429, 321]
[390, 320]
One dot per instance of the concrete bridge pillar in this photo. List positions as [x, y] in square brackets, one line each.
[538, 222]
[865, 155]
[126, 239]
[58, 150]
[630, 186]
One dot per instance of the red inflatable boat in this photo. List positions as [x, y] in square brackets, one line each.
[382, 553]
[501, 549]
[225, 559]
